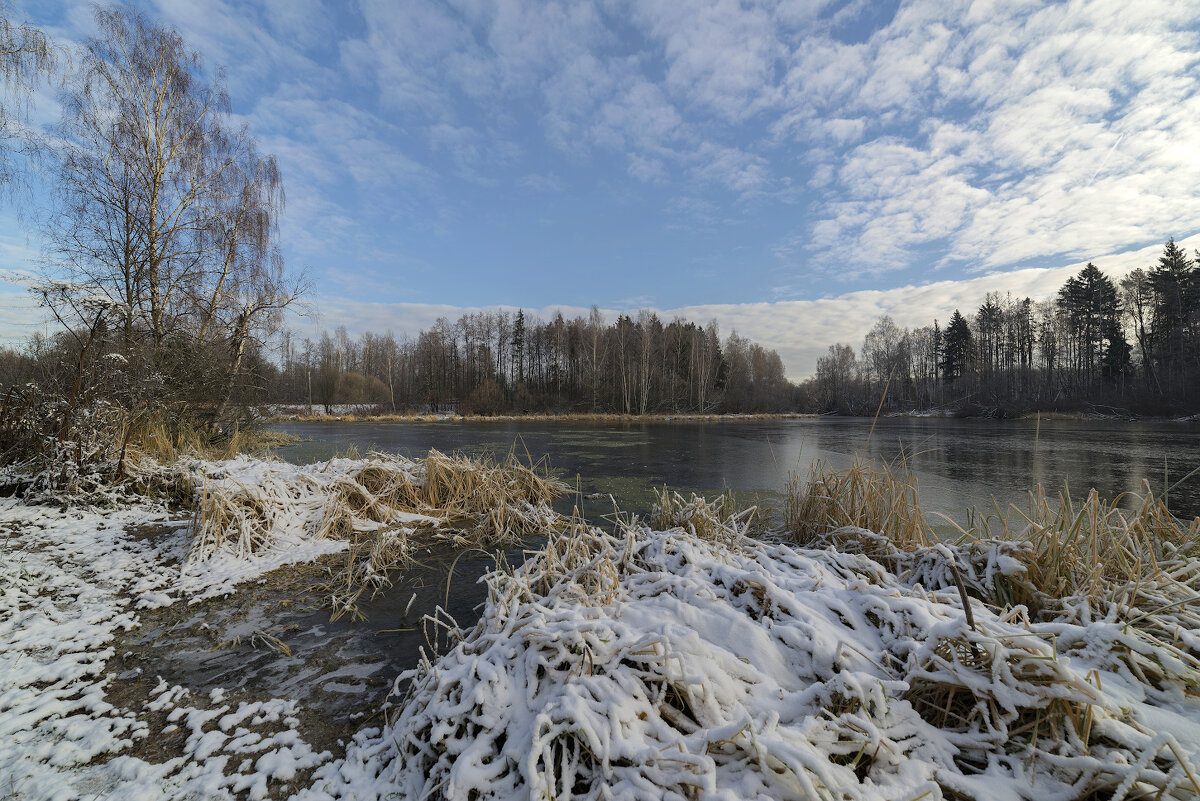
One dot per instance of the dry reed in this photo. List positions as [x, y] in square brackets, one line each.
[154, 437]
[722, 518]
[586, 677]
[383, 507]
[565, 417]
[881, 499]
[1127, 561]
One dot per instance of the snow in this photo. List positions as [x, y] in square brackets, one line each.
[661, 666]
[631, 665]
[69, 581]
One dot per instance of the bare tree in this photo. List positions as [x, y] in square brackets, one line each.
[26, 56]
[145, 161]
[168, 211]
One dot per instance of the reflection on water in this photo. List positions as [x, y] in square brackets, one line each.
[959, 463]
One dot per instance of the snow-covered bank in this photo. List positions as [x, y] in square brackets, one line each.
[657, 665]
[639, 664]
[72, 580]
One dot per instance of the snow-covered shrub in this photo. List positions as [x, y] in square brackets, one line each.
[381, 506]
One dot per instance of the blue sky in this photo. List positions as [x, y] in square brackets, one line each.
[767, 164]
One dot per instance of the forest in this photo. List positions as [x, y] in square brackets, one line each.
[497, 361]
[1113, 347]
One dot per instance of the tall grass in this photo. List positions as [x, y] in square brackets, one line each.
[722, 518]
[880, 498]
[385, 507]
[1088, 548]
[1127, 560]
[569, 417]
[166, 441]
[681, 709]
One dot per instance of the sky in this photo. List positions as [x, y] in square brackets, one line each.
[790, 169]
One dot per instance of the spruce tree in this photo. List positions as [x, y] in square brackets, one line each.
[1176, 287]
[958, 346]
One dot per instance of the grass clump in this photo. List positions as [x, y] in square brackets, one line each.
[722, 518]
[1126, 561]
[1096, 547]
[383, 506]
[167, 442]
[664, 665]
[881, 499]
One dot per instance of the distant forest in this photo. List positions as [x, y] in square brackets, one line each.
[1119, 347]
[493, 362]
[1112, 347]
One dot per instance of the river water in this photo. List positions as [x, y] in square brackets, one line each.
[958, 463]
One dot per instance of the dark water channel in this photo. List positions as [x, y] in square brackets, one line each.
[342, 670]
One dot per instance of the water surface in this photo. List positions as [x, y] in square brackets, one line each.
[958, 463]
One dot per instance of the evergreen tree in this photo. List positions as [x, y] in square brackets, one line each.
[957, 347]
[518, 347]
[1176, 289]
[1092, 313]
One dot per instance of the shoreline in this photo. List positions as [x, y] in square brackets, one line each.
[681, 633]
[571, 417]
[676, 419]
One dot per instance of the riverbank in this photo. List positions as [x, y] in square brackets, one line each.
[679, 659]
[359, 415]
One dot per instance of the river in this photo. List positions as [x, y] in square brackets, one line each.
[958, 463]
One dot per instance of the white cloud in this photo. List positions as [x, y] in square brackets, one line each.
[542, 182]
[720, 55]
[1023, 131]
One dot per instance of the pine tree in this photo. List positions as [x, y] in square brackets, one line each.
[1092, 313]
[518, 346]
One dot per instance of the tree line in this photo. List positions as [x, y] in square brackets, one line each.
[499, 361]
[1131, 345]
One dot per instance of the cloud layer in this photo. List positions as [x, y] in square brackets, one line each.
[706, 155]
[969, 136]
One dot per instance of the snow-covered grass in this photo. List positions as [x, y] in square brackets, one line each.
[690, 663]
[73, 580]
[660, 665]
[1126, 559]
[380, 508]
[868, 495]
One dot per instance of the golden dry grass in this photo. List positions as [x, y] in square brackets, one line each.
[722, 518]
[1079, 549]
[879, 498]
[1127, 560]
[165, 443]
[384, 507]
